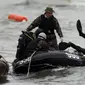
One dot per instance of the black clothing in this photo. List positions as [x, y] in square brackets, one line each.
[48, 25]
[64, 45]
[51, 39]
[23, 41]
[27, 44]
[36, 44]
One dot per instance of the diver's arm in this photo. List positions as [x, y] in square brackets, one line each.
[58, 30]
[34, 24]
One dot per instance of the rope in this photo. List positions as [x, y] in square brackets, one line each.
[30, 63]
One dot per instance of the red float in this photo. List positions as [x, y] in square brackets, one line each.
[17, 18]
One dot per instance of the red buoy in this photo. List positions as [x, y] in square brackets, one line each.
[17, 18]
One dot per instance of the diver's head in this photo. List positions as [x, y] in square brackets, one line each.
[42, 35]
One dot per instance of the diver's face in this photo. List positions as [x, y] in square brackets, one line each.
[48, 14]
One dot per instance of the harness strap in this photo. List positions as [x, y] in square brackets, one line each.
[29, 36]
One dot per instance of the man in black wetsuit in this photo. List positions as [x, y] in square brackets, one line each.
[64, 45]
[48, 23]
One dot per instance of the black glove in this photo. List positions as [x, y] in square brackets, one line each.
[64, 45]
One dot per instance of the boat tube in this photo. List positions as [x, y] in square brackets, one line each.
[47, 60]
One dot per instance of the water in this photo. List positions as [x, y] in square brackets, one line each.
[9, 33]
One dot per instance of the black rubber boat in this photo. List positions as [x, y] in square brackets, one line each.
[47, 60]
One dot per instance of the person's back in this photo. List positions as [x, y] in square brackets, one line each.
[47, 24]
[23, 41]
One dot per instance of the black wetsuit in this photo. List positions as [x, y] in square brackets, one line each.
[23, 41]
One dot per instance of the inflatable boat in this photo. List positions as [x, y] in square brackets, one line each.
[47, 60]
